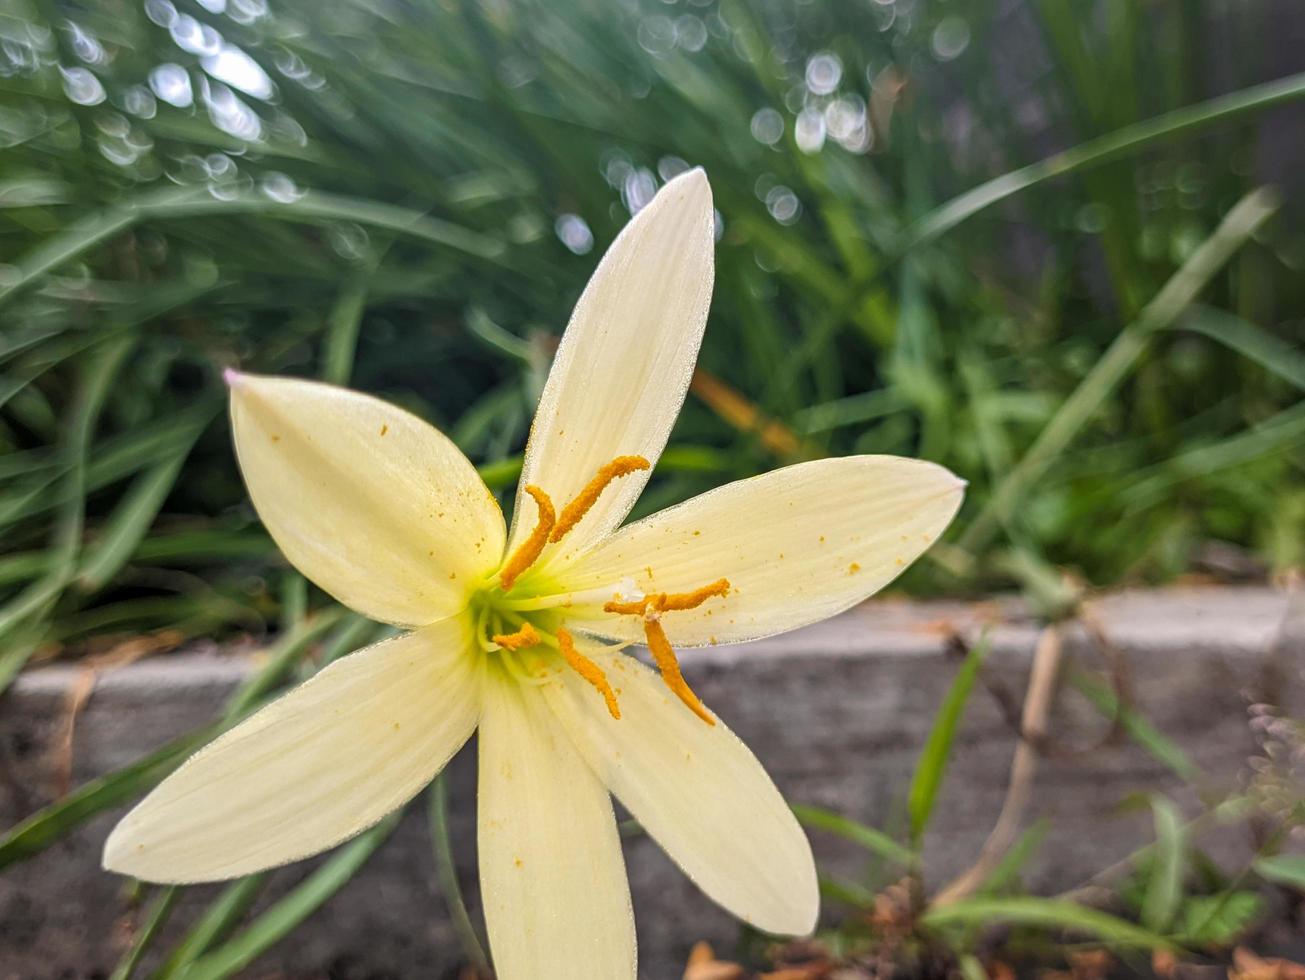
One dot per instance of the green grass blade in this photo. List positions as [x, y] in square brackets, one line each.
[67, 538]
[342, 329]
[280, 659]
[172, 202]
[932, 765]
[1013, 861]
[1109, 371]
[1130, 139]
[129, 524]
[46, 826]
[1251, 341]
[1164, 892]
[218, 919]
[160, 911]
[1046, 913]
[501, 473]
[286, 915]
[1136, 726]
[874, 841]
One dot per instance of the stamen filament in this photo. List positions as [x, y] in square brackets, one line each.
[588, 670]
[573, 512]
[664, 654]
[530, 549]
[527, 636]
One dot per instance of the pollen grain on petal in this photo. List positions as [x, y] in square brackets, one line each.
[530, 549]
[527, 636]
[588, 670]
[664, 655]
[573, 512]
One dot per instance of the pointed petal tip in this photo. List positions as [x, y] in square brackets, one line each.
[692, 187]
[115, 856]
[232, 377]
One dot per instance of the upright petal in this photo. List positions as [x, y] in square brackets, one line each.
[553, 881]
[797, 545]
[374, 505]
[626, 359]
[699, 792]
[313, 768]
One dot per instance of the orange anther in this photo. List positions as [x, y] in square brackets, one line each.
[626, 608]
[587, 497]
[664, 654]
[587, 669]
[660, 602]
[530, 549]
[679, 601]
[527, 636]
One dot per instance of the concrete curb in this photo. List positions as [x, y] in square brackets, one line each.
[837, 712]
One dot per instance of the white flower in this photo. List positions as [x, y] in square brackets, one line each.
[519, 635]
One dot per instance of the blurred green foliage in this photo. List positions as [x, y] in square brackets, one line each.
[408, 197]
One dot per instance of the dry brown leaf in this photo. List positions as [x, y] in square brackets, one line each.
[1247, 965]
[703, 965]
[1163, 963]
[892, 913]
[811, 971]
[805, 971]
[1091, 964]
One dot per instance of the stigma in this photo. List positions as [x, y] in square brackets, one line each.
[650, 609]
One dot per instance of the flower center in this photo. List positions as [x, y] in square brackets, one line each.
[523, 628]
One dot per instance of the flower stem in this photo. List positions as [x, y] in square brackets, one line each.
[447, 874]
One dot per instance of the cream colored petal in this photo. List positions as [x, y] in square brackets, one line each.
[374, 505]
[313, 768]
[698, 791]
[797, 545]
[625, 361]
[552, 878]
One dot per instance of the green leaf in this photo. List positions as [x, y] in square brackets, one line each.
[287, 914]
[1219, 920]
[1283, 869]
[1164, 891]
[875, 841]
[1045, 913]
[932, 765]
